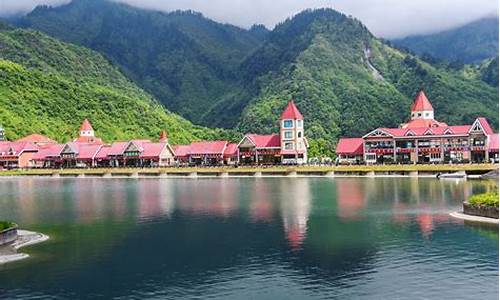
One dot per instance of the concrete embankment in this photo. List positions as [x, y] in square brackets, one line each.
[302, 171]
[8, 253]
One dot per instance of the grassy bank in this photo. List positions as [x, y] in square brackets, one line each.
[5, 224]
[485, 199]
[481, 168]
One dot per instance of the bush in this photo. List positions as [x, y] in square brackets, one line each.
[486, 199]
[5, 224]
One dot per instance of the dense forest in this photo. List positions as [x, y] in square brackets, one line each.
[49, 87]
[344, 80]
[470, 43]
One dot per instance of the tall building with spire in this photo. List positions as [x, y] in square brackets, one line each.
[87, 134]
[293, 142]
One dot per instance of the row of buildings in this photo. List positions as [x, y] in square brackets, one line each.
[422, 140]
[87, 150]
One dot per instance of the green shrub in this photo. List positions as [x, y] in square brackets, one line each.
[486, 199]
[5, 224]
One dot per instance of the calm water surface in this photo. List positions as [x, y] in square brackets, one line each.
[267, 238]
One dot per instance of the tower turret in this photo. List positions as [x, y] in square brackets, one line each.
[422, 108]
[293, 142]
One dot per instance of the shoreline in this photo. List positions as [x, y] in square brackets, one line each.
[8, 253]
[471, 170]
[477, 219]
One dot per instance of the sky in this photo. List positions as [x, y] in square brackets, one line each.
[385, 18]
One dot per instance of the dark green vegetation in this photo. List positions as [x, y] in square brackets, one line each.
[470, 43]
[5, 225]
[186, 61]
[485, 199]
[48, 86]
[344, 80]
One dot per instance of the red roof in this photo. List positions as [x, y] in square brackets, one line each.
[291, 112]
[420, 123]
[210, 147]
[36, 138]
[117, 148]
[493, 142]
[152, 149]
[421, 131]
[52, 150]
[181, 150]
[86, 126]
[265, 141]
[231, 150]
[88, 140]
[350, 146]
[486, 126]
[103, 152]
[87, 151]
[421, 103]
[16, 148]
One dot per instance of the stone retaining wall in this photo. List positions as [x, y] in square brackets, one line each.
[8, 235]
[482, 211]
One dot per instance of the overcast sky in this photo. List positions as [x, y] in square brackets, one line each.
[385, 18]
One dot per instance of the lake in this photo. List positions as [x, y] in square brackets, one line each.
[248, 238]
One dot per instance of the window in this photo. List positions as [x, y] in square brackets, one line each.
[419, 114]
[288, 134]
[288, 123]
[299, 124]
[288, 146]
[299, 134]
[427, 114]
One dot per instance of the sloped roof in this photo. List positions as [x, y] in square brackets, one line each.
[152, 149]
[231, 150]
[486, 126]
[117, 148]
[419, 123]
[421, 103]
[36, 138]
[209, 147]
[8, 148]
[351, 146]
[181, 150]
[493, 142]
[86, 126]
[88, 140]
[291, 112]
[87, 151]
[51, 150]
[420, 131]
[265, 141]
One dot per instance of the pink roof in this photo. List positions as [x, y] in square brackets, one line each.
[231, 150]
[421, 131]
[493, 142]
[16, 148]
[265, 141]
[36, 138]
[87, 151]
[210, 147]
[86, 126]
[291, 112]
[152, 149]
[181, 150]
[116, 148]
[486, 126]
[352, 146]
[52, 150]
[88, 140]
[419, 123]
[421, 103]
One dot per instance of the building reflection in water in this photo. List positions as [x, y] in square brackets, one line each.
[350, 197]
[155, 198]
[295, 198]
[261, 202]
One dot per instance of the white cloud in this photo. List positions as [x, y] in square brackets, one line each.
[387, 18]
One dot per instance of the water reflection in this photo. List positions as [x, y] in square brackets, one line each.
[188, 238]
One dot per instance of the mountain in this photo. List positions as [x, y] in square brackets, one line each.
[344, 80]
[185, 60]
[470, 43]
[49, 87]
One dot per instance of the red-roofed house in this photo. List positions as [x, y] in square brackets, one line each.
[493, 147]
[425, 140]
[16, 154]
[48, 156]
[203, 153]
[288, 147]
[87, 134]
[350, 150]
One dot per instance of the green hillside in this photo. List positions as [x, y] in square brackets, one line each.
[470, 43]
[346, 82]
[185, 60]
[49, 87]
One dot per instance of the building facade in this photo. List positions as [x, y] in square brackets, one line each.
[287, 147]
[423, 140]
